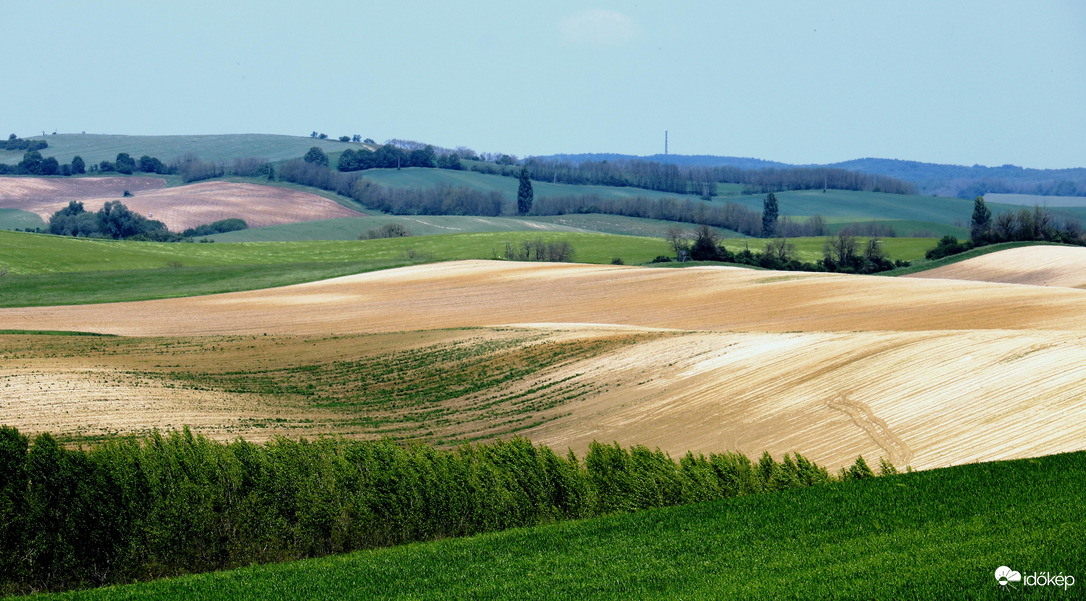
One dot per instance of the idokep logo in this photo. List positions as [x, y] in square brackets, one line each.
[1006, 577]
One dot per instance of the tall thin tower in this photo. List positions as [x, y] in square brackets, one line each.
[665, 142]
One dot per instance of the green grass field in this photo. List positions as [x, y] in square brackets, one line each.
[52, 270]
[95, 148]
[422, 225]
[810, 249]
[939, 534]
[11, 219]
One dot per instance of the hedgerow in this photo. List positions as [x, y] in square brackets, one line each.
[137, 508]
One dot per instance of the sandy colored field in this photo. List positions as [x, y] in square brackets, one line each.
[1063, 266]
[495, 293]
[922, 372]
[179, 208]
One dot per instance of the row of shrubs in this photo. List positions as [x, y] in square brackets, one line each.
[137, 508]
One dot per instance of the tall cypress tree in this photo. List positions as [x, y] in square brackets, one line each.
[769, 216]
[982, 221]
[525, 195]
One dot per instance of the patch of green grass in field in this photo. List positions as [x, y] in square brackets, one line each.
[939, 534]
[350, 228]
[88, 287]
[15, 219]
[627, 226]
[38, 253]
[95, 148]
[809, 249]
[48, 270]
[905, 228]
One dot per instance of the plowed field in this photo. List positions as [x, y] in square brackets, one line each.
[1063, 266]
[179, 208]
[922, 372]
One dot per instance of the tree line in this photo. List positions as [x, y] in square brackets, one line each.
[136, 508]
[16, 143]
[701, 181]
[1024, 225]
[842, 253]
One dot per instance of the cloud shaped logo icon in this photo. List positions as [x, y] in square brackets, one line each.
[1005, 575]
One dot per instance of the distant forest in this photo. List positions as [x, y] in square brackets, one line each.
[941, 180]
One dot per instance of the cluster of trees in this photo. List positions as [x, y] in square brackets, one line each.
[16, 143]
[842, 253]
[113, 220]
[1024, 225]
[558, 251]
[392, 157]
[219, 227]
[126, 165]
[439, 200]
[34, 164]
[162, 505]
[442, 199]
[702, 181]
[388, 230]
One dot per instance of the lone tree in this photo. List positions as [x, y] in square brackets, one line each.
[316, 156]
[769, 216]
[525, 195]
[981, 228]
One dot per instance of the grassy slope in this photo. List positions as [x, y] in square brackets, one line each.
[11, 219]
[50, 270]
[810, 249]
[422, 225]
[931, 535]
[95, 148]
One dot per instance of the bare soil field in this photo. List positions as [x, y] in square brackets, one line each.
[47, 195]
[1063, 266]
[925, 373]
[179, 208]
[498, 293]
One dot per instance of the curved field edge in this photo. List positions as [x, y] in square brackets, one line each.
[936, 534]
[52, 270]
[927, 265]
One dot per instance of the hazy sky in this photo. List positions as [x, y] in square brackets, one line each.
[959, 82]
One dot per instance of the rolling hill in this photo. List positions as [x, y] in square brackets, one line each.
[926, 373]
[95, 148]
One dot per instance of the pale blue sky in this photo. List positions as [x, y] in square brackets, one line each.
[965, 82]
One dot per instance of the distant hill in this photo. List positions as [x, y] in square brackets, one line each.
[95, 148]
[930, 178]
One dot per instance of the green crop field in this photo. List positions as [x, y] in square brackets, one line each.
[11, 219]
[48, 270]
[421, 225]
[939, 534]
[99, 147]
[810, 249]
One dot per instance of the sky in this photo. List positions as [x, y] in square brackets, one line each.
[966, 82]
